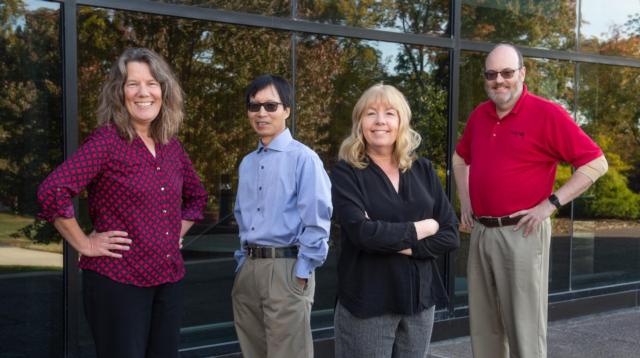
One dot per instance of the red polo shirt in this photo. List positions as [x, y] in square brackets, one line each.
[513, 159]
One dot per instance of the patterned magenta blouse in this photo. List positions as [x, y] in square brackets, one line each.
[130, 190]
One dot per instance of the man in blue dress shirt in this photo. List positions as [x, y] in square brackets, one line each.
[283, 209]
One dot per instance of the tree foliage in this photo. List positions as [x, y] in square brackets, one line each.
[216, 61]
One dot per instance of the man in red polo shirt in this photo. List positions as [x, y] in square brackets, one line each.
[505, 166]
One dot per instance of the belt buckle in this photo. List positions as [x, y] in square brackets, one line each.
[251, 253]
[499, 221]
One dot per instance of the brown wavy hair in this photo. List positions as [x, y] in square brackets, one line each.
[111, 107]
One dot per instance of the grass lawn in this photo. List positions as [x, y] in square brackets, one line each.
[10, 224]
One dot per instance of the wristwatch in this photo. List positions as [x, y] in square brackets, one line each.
[553, 199]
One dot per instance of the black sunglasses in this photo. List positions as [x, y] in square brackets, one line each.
[268, 106]
[507, 73]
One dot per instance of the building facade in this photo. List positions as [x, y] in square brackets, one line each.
[584, 54]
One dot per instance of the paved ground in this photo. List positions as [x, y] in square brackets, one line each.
[613, 334]
[15, 256]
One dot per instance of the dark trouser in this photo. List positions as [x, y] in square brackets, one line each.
[386, 336]
[132, 322]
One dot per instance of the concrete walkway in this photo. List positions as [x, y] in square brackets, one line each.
[15, 256]
[613, 334]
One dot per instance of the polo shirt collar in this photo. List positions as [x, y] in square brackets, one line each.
[279, 143]
[516, 108]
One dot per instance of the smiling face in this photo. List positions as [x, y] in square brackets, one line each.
[142, 95]
[504, 92]
[268, 124]
[380, 124]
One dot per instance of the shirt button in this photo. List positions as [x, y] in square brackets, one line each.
[252, 228]
[258, 209]
[163, 187]
[259, 188]
[168, 255]
[262, 167]
[167, 233]
[494, 134]
[164, 211]
[157, 168]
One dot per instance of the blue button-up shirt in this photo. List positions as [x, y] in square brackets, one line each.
[284, 199]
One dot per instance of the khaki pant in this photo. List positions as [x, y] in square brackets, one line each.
[507, 275]
[271, 310]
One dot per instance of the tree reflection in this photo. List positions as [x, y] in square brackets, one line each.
[546, 23]
[30, 106]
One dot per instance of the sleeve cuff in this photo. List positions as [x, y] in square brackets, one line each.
[51, 215]
[240, 256]
[303, 268]
[192, 215]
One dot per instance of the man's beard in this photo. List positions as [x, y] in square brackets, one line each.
[502, 99]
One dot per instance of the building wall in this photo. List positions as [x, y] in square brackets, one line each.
[584, 54]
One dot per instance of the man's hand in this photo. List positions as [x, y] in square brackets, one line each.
[466, 215]
[534, 216]
[105, 243]
[302, 282]
[406, 252]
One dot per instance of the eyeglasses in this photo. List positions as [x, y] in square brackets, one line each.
[507, 73]
[268, 106]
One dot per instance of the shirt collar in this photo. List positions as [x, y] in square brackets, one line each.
[516, 108]
[279, 143]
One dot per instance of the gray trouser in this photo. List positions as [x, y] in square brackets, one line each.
[389, 335]
[507, 275]
[271, 310]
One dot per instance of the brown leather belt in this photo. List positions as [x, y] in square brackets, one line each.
[490, 221]
[265, 252]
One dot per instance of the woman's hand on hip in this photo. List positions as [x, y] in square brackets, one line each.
[106, 243]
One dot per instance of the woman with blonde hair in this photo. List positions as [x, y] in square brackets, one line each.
[143, 197]
[395, 222]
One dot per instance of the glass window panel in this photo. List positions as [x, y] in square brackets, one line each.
[31, 279]
[550, 79]
[429, 17]
[332, 73]
[610, 27]
[546, 23]
[214, 63]
[262, 7]
[606, 233]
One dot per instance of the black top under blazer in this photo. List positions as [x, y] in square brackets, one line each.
[376, 222]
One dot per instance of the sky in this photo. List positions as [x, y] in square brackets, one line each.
[602, 14]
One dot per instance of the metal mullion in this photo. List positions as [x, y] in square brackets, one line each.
[278, 23]
[452, 129]
[71, 276]
[555, 54]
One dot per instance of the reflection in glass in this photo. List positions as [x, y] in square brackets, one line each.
[214, 63]
[419, 17]
[332, 73]
[610, 28]
[550, 79]
[261, 7]
[546, 23]
[606, 243]
[30, 146]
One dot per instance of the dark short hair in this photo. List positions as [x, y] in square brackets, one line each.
[281, 85]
